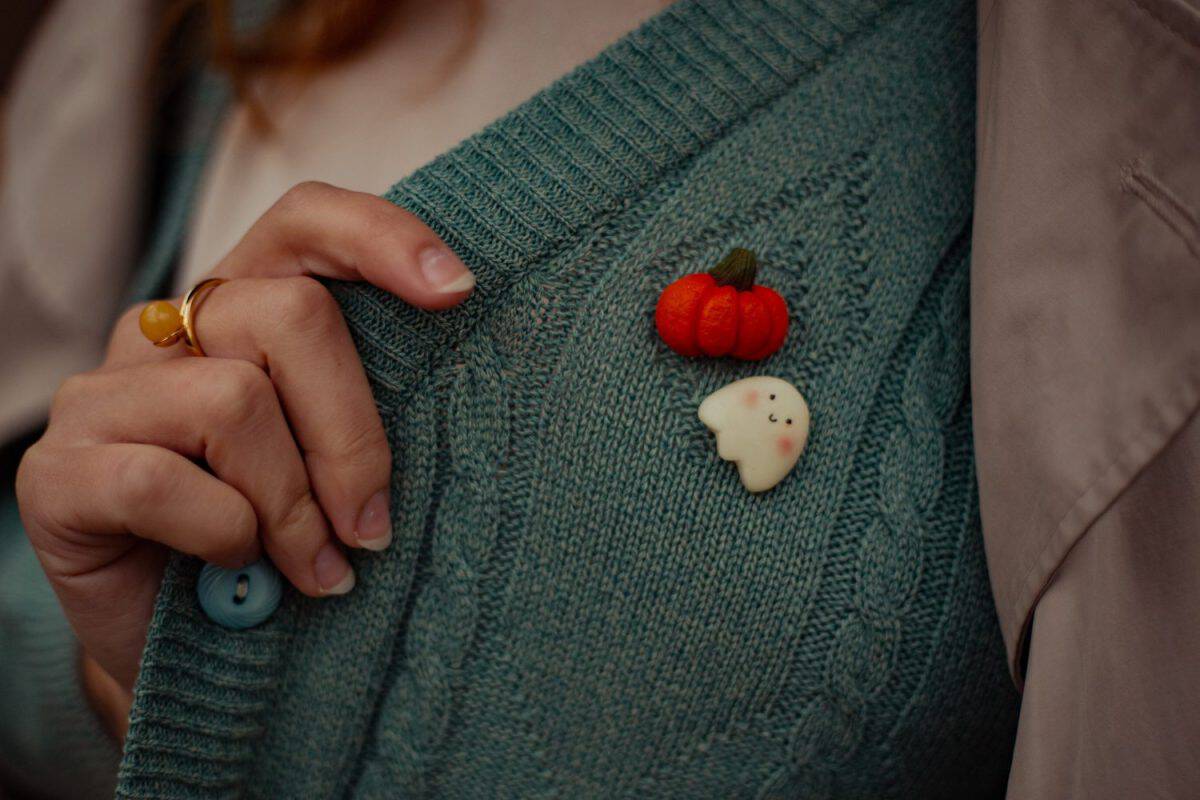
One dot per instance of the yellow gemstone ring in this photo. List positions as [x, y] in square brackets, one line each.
[164, 324]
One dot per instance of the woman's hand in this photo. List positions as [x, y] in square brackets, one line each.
[279, 412]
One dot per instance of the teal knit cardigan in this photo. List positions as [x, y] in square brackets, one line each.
[581, 599]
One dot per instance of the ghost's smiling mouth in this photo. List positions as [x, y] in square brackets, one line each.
[773, 418]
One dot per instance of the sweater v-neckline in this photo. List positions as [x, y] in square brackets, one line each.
[580, 147]
[558, 165]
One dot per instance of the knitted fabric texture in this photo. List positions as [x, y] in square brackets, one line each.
[43, 710]
[581, 599]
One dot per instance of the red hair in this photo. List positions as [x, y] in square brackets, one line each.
[304, 37]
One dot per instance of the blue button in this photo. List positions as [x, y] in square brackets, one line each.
[239, 598]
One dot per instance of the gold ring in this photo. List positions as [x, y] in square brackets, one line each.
[164, 324]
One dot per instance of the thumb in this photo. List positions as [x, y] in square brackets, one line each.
[321, 230]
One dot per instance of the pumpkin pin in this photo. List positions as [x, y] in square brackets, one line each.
[722, 312]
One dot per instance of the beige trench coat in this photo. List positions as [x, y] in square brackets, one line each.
[1086, 380]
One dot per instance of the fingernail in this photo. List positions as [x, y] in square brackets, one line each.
[334, 574]
[374, 528]
[443, 270]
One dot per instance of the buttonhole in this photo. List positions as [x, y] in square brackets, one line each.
[242, 589]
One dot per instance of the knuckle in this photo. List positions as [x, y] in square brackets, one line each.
[244, 524]
[366, 437]
[241, 393]
[304, 195]
[237, 536]
[139, 481]
[304, 304]
[36, 490]
[382, 218]
[362, 448]
[298, 512]
[31, 474]
[298, 523]
[71, 394]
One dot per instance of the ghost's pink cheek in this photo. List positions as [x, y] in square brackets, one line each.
[750, 399]
[785, 445]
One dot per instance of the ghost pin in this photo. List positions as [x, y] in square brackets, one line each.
[761, 424]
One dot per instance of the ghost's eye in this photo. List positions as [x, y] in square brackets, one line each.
[772, 397]
[788, 420]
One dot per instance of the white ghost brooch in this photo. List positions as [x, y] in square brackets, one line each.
[761, 424]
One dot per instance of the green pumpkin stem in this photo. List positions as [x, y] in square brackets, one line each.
[738, 269]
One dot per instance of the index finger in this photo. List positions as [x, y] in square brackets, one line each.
[322, 230]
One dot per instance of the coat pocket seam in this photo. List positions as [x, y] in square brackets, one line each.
[1166, 205]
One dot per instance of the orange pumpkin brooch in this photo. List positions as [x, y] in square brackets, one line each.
[722, 312]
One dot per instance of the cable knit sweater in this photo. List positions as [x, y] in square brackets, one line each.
[581, 599]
